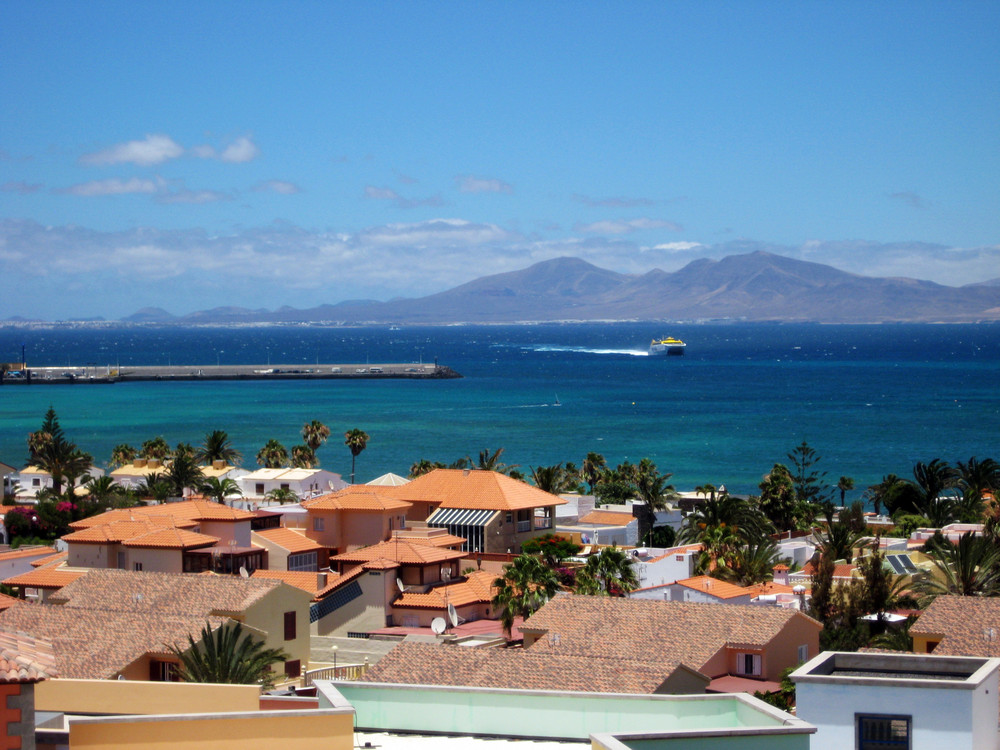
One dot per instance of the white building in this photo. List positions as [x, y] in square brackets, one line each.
[305, 483]
[873, 701]
[31, 480]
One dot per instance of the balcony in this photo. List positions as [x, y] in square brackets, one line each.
[523, 526]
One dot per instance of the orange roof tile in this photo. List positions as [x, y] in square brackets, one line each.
[17, 554]
[714, 587]
[57, 557]
[475, 489]
[608, 518]
[8, 601]
[358, 497]
[184, 513]
[130, 515]
[401, 551]
[380, 564]
[172, 539]
[116, 531]
[770, 587]
[305, 580]
[476, 588]
[46, 578]
[963, 624]
[290, 540]
[25, 659]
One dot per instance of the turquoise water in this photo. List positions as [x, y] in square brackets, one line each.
[870, 399]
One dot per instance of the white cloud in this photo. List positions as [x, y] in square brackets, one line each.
[625, 226]
[388, 194]
[619, 202]
[192, 196]
[239, 151]
[471, 184]
[155, 149]
[277, 186]
[113, 186]
[18, 186]
[677, 246]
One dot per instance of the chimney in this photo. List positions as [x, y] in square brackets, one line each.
[780, 574]
[219, 464]
[153, 463]
[321, 580]
[139, 463]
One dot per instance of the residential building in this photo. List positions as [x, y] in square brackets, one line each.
[604, 527]
[663, 566]
[8, 476]
[290, 550]
[354, 517]
[139, 472]
[959, 626]
[491, 511]
[31, 480]
[874, 701]
[305, 483]
[740, 648]
[470, 595]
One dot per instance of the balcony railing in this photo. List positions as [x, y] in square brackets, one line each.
[343, 672]
[543, 523]
[523, 526]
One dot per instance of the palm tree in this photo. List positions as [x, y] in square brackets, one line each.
[491, 462]
[122, 454]
[155, 448]
[314, 434]
[593, 468]
[50, 451]
[553, 479]
[969, 568]
[526, 584]
[845, 485]
[779, 499]
[101, 489]
[217, 447]
[934, 482]
[357, 441]
[303, 457]
[837, 541]
[183, 472]
[739, 516]
[708, 490]
[751, 563]
[219, 489]
[652, 489]
[281, 495]
[976, 479]
[273, 455]
[610, 573]
[155, 487]
[228, 656]
[423, 466]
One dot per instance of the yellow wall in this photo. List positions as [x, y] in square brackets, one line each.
[226, 531]
[363, 529]
[157, 560]
[126, 697]
[277, 557]
[330, 536]
[367, 612]
[268, 615]
[263, 730]
[92, 555]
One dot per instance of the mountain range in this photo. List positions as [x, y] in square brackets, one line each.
[757, 286]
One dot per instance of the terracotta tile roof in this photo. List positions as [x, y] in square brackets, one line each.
[132, 515]
[659, 631]
[8, 601]
[130, 591]
[289, 540]
[401, 551]
[677, 551]
[474, 489]
[434, 540]
[306, 581]
[46, 578]
[185, 513]
[607, 518]
[714, 587]
[358, 497]
[522, 669]
[770, 587]
[117, 531]
[97, 644]
[5, 509]
[25, 659]
[475, 589]
[380, 564]
[967, 625]
[50, 560]
[842, 571]
[18, 554]
[180, 539]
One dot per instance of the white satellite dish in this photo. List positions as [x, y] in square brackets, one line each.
[400, 585]
[446, 574]
[452, 615]
[438, 625]
[243, 572]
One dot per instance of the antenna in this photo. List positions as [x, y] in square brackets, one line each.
[452, 615]
[438, 625]
[400, 585]
[243, 572]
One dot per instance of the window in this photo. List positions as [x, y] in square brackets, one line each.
[259, 488]
[136, 566]
[303, 561]
[285, 487]
[804, 653]
[317, 523]
[510, 517]
[163, 671]
[35, 482]
[882, 732]
[289, 626]
[293, 668]
[748, 664]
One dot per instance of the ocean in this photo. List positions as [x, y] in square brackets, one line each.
[870, 399]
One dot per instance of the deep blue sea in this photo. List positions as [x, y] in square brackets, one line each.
[870, 399]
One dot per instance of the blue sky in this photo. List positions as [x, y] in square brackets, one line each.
[194, 154]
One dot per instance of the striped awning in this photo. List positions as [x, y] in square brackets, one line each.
[445, 517]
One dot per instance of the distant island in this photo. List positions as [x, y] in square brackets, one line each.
[753, 287]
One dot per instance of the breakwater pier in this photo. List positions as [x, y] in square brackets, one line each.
[108, 374]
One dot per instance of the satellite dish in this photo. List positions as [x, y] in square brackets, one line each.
[438, 625]
[446, 574]
[243, 572]
[400, 585]
[452, 615]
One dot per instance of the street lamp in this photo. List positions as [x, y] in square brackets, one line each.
[334, 661]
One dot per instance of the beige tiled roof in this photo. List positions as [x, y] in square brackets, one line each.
[401, 551]
[967, 625]
[97, 644]
[8, 601]
[358, 497]
[24, 658]
[521, 669]
[688, 632]
[288, 539]
[607, 518]
[478, 587]
[309, 581]
[474, 489]
[127, 591]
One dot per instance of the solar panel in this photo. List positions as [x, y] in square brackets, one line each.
[901, 564]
